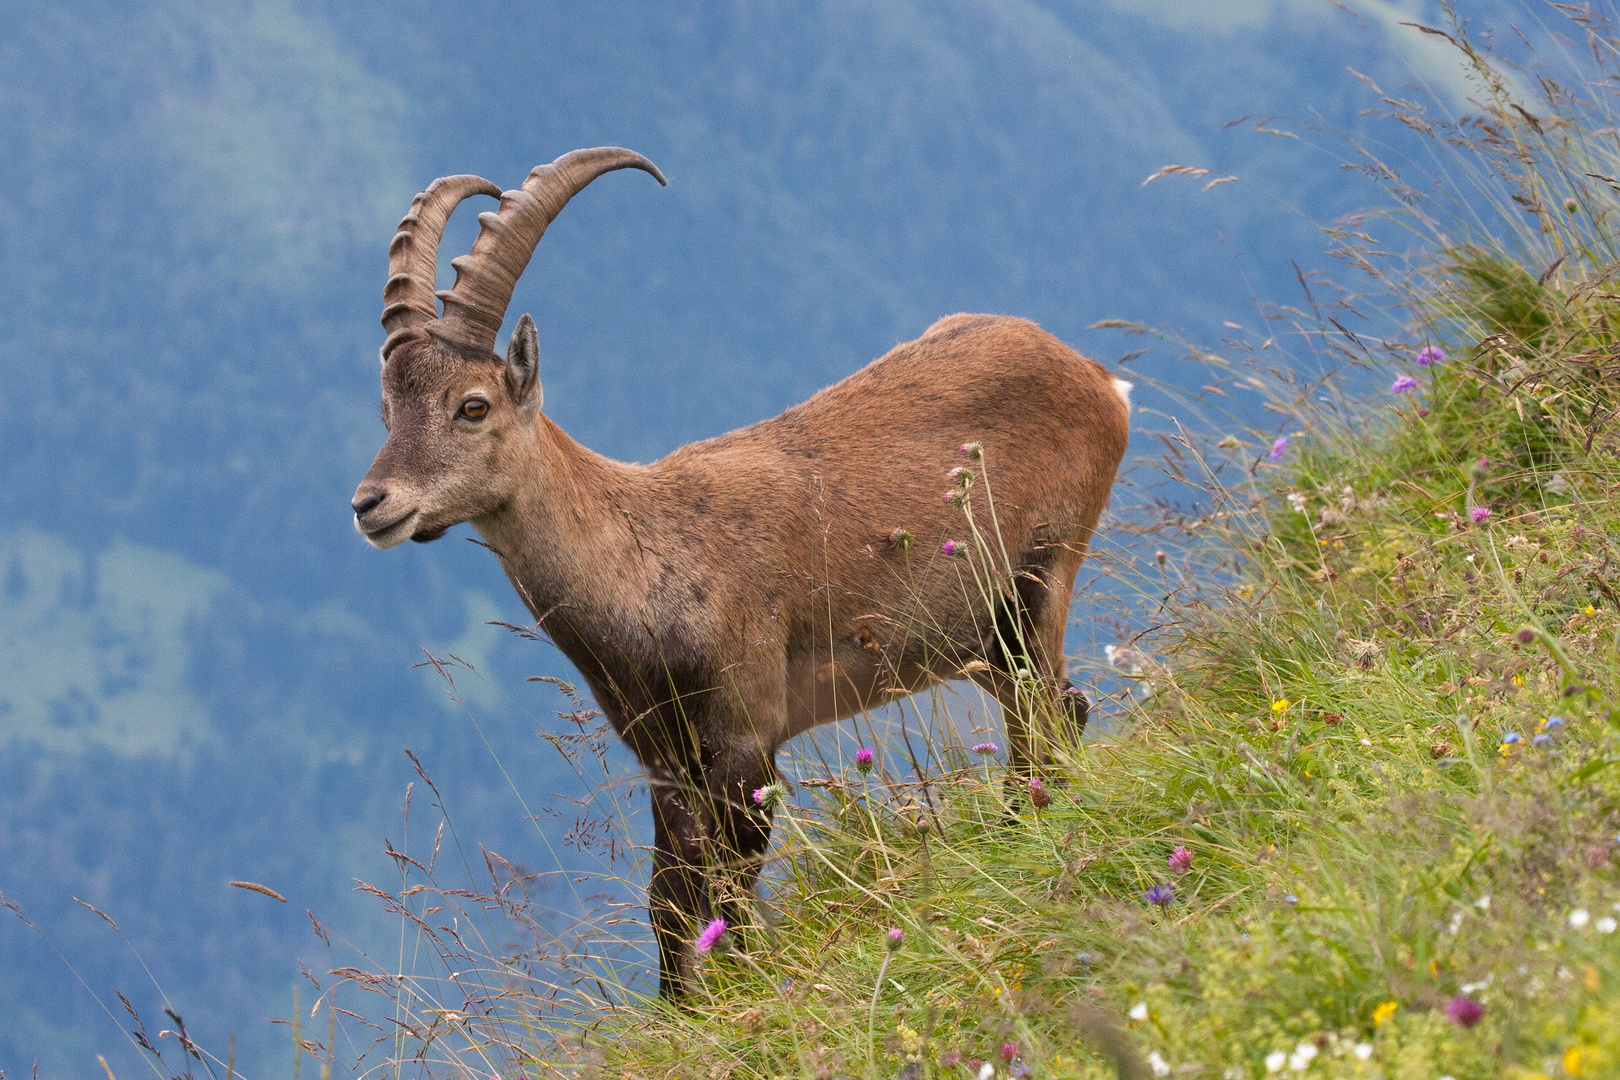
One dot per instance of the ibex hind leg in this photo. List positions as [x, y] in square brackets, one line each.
[1043, 711]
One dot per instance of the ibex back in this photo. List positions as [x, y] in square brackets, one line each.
[747, 588]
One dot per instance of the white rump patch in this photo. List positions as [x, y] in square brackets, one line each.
[1123, 389]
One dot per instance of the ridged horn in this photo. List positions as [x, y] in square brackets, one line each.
[408, 298]
[475, 305]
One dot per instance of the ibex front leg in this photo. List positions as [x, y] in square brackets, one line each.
[709, 838]
[678, 897]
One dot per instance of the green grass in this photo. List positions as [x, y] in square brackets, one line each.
[1384, 729]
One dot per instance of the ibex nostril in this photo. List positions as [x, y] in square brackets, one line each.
[364, 502]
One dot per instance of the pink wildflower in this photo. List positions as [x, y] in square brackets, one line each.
[1403, 384]
[710, 937]
[863, 759]
[1279, 448]
[1464, 1011]
[954, 548]
[1431, 354]
[1181, 859]
[1477, 514]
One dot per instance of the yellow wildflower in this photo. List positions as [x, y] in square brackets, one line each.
[1384, 1012]
[1572, 1061]
[1588, 610]
[1280, 705]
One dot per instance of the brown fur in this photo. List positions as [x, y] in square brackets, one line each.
[744, 589]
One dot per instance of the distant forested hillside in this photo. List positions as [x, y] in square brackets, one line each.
[205, 674]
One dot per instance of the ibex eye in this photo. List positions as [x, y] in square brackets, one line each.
[475, 408]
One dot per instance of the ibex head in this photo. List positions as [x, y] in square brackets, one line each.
[453, 408]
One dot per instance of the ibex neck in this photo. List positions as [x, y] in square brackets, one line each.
[566, 537]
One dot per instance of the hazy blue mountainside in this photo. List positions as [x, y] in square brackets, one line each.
[205, 674]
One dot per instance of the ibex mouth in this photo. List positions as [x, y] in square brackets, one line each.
[427, 536]
[386, 536]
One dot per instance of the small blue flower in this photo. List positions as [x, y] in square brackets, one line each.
[1403, 384]
[1279, 448]
[1162, 895]
[1290, 899]
[1512, 737]
[1553, 722]
[1541, 740]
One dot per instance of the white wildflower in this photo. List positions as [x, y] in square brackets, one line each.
[987, 1071]
[1456, 922]
[1606, 925]
[1297, 501]
[1274, 1060]
[1579, 918]
[1483, 903]
[1138, 1011]
[1363, 1051]
[1159, 1066]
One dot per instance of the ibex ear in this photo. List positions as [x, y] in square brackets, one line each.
[523, 366]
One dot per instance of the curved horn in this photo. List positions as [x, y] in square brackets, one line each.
[408, 298]
[475, 305]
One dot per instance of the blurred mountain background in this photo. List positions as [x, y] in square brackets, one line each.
[206, 675]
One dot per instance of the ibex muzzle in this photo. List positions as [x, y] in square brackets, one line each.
[747, 588]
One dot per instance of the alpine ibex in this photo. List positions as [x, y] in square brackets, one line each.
[750, 587]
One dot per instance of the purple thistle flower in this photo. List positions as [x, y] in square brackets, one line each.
[710, 937]
[769, 795]
[985, 748]
[956, 497]
[1464, 1011]
[900, 538]
[961, 476]
[954, 548]
[863, 759]
[1431, 354]
[1527, 635]
[1009, 1050]
[1038, 793]
[1403, 384]
[1162, 895]
[1181, 859]
[1279, 448]
[895, 937]
[971, 450]
[1477, 514]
